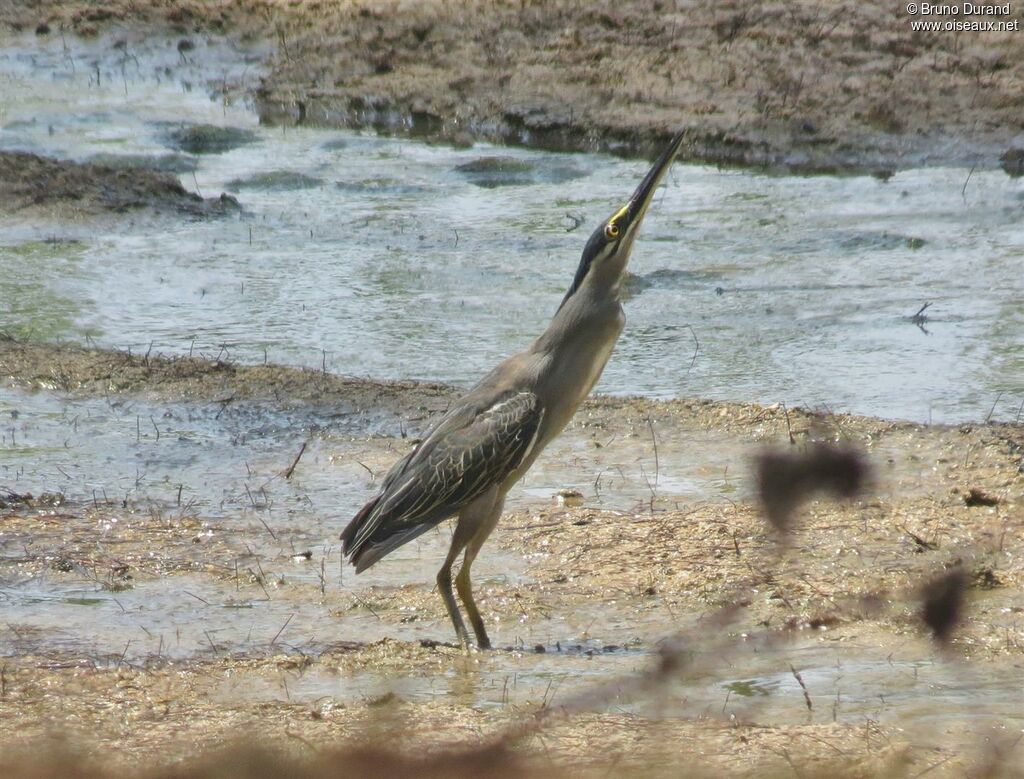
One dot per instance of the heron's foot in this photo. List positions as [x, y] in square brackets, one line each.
[463, 636]
[482, 641]
[469, 646]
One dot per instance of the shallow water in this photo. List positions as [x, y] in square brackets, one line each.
[377, 256]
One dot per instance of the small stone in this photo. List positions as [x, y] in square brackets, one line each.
[569, 498]
[1013, 161]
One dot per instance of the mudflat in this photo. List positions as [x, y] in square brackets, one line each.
[628, 612]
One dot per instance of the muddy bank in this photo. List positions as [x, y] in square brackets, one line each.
[101, 371]
[709, 575]
[208, 377]
[937, 495]
[659, 631]
[31, 185]
[818, 87]
[72, 368]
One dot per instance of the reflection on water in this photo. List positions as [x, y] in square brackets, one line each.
[32, 307]
[385, 253]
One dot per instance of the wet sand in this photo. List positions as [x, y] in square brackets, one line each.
[609, 620]
[817, 86]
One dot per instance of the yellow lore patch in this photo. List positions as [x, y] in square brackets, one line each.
[611, 230]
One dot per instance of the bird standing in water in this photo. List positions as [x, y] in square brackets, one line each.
[489, 438]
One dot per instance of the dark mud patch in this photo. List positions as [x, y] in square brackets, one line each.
[492, 172]
[207, 138]
[277, 181]
[850, 240]
[1012, 161]
[168, 163]
[63, 189]
[11, 500]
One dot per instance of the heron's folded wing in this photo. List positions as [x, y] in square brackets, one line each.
[470, 451]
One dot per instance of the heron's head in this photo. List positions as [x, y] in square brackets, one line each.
[607, 252]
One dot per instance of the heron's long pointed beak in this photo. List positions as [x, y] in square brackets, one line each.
[644, 194]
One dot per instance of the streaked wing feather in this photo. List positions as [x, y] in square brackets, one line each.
[471, 450]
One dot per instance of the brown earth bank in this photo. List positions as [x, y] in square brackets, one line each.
[808, 86]
[701, 584]
[102, 371]
[31, 185]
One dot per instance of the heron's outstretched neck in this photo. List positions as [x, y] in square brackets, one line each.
[589, 319]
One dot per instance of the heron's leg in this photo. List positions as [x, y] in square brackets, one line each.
[444, 586]
[471, 518]
[485, 522]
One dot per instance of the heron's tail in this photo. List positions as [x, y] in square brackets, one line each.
[353, 526]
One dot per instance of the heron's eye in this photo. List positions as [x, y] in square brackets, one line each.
[611, 231]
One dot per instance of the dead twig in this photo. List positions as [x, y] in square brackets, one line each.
[696, 350]
[921, 317]
[789, 427]
[800, 681]
[279, 632]
[291, 468]
[654, 441]
[992, 410]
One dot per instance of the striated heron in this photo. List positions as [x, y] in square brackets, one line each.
[488, 439]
